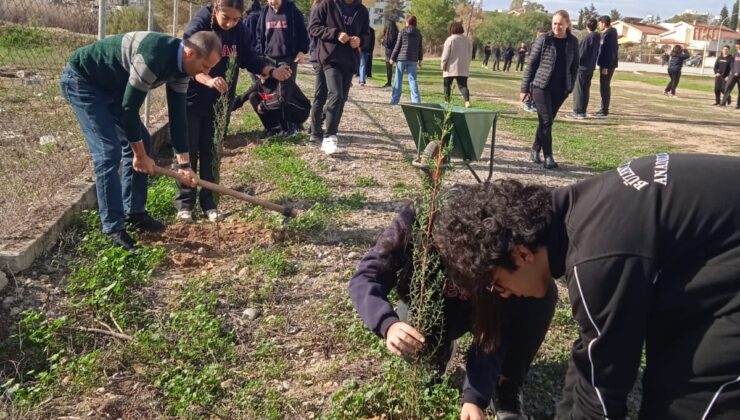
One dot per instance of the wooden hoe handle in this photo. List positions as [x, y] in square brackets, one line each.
[285, 211]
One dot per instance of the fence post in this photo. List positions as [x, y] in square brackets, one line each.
[101, 19]
[149, 25]
[175, 7]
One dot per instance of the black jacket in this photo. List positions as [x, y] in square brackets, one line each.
[237, 39]
[723, 66]
[588, 51]
[327, 23]
[653, 245]
[298, 35]
[409, 46]
[608, 53]
[676, 61]
[509, 53]
[542, 59]
[370, 46]
[390, 36]
[375, 277]
[736, 64]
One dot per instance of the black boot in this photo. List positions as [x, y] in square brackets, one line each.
[124, 240]
[508, 402]
[388, 73]
[550, 163]
[143, 221]
[535, 156]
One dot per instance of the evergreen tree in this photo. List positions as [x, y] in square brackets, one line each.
[733, 18]
[580, 23]
[394, 10]
[724, 14]
[615, 15]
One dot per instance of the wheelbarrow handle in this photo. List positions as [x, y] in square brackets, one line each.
[286, 211]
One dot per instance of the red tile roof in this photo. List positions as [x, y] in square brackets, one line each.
[648, 29]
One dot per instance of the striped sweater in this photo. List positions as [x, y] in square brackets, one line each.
[127, 67]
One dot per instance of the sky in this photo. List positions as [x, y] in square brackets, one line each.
[632, 8]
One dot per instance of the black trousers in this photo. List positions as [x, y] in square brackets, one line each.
[283, 118]
[485, 59]
[675, 76]
[338, 82]
[719, 89]
[582, 91]
[319, 101]
[462, 84]
[520, 64]
[548, 104]
[496, 63]
[730, 84]
[507, 64]
[605, 85]
[200, 131]
[525, 324]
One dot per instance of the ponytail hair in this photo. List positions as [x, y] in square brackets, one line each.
[218, 4]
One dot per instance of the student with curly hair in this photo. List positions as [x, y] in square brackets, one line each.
[496, 374]
[651, 259]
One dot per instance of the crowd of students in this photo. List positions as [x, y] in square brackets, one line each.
[501, 243]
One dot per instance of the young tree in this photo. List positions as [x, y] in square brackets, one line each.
[394, 10]
[724, 14]
[615, 15]
[433, 17]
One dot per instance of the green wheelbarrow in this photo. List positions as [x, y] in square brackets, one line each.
[468, 134]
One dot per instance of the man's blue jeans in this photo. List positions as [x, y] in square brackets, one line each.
[364, 60]
[410, 68]
[99, 115]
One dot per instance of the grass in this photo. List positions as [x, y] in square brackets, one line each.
[697, 83]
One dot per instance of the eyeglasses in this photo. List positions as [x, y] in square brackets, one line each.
[492, 287]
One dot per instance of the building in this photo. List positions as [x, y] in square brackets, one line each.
[699, 37]
[638, 33]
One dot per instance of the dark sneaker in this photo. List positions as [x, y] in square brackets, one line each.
[575, 116]
[550, 163]
[601, 114]
[124, 240]
[530, 108]
[143, 221]
[315, 138]
[508, 402]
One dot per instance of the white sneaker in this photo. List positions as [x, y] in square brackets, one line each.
[329, 145]
[185, 215]
[214, 216]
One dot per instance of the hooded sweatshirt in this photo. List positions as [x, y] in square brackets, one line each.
[329, 19]
[652, 246]
[723, 65]
[282, 33]
[236, 40]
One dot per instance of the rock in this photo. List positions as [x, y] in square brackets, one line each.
[201, 251]
[32, 81]
[3, 281]
[8, 301]
[15, 311]
[250, 313]
[243, 272]
[353, 255]
[21, 74]
[46, 140]
[227, 384]
[284, 386]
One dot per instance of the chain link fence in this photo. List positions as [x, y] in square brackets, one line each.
[41, 146]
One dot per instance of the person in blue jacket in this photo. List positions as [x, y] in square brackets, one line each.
[675, 64]
[281, 34]
[224, 18]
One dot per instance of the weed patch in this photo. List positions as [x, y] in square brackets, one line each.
[160, 199]
[366, 181]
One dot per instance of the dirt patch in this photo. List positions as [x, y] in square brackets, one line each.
[195, 245]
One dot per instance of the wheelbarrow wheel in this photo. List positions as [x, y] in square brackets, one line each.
[429, 153]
